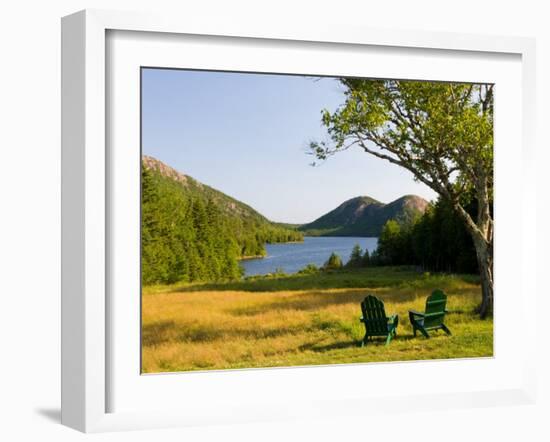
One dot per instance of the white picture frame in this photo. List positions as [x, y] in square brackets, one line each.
[87, 354]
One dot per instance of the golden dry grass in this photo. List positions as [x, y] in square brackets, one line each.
[194, 328]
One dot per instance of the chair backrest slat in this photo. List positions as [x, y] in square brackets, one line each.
[374, 316]
[435, 309]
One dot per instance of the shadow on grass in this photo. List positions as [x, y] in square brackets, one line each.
[163, 332]
[341, 345]
[375, 277]
[328, 347]
[156, 333]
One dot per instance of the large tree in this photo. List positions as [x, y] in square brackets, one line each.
[441, 132]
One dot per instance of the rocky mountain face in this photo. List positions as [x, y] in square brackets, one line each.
[364, 216]
[360, 216]
[229, 205]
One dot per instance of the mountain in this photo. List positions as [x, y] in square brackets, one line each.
[190, 186]
[192, 232]
[364, 216]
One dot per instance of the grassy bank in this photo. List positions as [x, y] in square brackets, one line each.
[303, 320]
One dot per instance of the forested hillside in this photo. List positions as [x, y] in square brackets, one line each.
[436, 241]
[365, 216]
[192, 232]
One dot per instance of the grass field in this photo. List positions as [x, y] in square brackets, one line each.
[303, 320]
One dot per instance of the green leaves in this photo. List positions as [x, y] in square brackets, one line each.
[441, 132]
[334, 262]
[356, 257]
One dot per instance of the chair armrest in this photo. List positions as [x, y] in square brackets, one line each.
[393, 319]
[415, 313]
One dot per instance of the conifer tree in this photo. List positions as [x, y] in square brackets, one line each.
[356, 257]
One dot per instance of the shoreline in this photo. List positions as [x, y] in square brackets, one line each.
[251, 257]
[246, 258]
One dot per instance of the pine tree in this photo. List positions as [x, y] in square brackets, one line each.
[188, 236]
[356, 257]
[365, 259]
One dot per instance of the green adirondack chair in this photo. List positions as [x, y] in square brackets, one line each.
[375, 320]
[433, 317]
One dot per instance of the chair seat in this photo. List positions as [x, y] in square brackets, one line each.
[416, 313]
[434, 315]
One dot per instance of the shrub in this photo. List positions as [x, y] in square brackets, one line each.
[310, 269]
[333, 262]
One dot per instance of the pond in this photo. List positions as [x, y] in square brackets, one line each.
[291, 257]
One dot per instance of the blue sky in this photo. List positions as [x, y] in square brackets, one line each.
[247, 135]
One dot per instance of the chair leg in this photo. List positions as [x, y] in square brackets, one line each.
[446, 329]
[388, 339]
[364, 341]
[413, 323]
[424, 332]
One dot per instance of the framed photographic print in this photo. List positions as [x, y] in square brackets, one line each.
[269, 223]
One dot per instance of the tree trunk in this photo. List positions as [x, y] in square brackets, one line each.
[485, 262]
[482, 236]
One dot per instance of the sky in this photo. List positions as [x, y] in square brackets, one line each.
[247, 136]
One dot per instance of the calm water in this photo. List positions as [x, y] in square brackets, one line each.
[292, 257]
